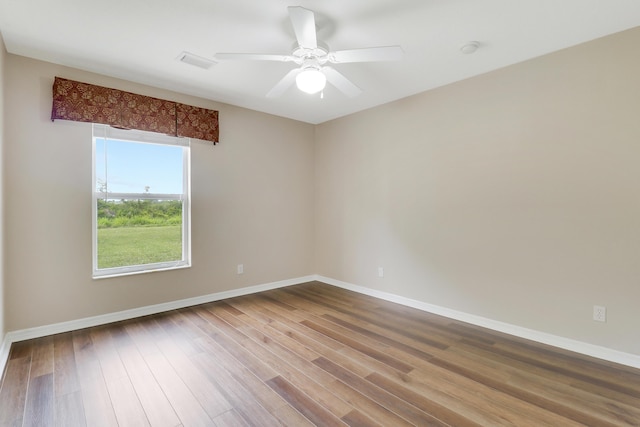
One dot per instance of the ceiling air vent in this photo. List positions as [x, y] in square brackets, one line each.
[195, 60]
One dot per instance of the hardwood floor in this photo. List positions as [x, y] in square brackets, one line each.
[307, 355]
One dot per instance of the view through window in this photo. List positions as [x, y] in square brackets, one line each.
[141, 201]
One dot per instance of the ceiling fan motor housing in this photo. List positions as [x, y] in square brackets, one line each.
[303, 55]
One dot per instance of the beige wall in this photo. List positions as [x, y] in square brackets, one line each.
[514, 195]
[3, 55]
[252, 199]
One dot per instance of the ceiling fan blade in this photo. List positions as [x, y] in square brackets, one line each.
[254, 57]
[370, 54]
[341, 82]
[304, 25]
[284, 83]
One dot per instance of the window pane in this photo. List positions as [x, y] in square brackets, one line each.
[130, 167]
[137, 232]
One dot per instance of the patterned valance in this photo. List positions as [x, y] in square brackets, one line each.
[82, 102]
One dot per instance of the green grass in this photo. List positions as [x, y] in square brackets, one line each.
[124, 246]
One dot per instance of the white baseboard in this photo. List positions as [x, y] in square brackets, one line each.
[592, 350]
[5, 345]
[87, 322]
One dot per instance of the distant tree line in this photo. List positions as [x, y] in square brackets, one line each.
[139, 213]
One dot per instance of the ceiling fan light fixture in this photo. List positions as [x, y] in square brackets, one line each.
[311, 80]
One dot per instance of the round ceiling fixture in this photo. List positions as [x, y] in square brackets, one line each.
[311, 80]
[469, 47]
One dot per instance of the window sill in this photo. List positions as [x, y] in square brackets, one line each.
[132, 273]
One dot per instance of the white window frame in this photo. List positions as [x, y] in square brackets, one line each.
[136, 136]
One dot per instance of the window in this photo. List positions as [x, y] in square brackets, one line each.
[140, 202]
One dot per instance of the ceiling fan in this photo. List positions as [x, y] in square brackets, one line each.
[313, 72]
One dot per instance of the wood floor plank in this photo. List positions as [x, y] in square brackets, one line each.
[587, 371]
[234, 341]
[107, 354]
[262, 406]
[308, 355]
[124, 400]
[384, 337]
[96, 401]
[365, 405]
[206, 393]
[42, 357]
[326, 346]
[125, 403]
[142, 333]
[451, 411]
[421, 332]
[230, 419]
[178, 331]
[65, 376]
[523, 394]
[182, 400]
[452, 388]
[154, 402]
[411, 413]
[69, 410]
[245, 391]
[87, 362]
[293, 368]
[40, 402]
[358, 419]
[95, 397]
[21, 349]
[13, 394]
[407, 320]
[285, 361]
[368, 350]
[289, 416]
[167, 399]
[291, 322]
[481, 401]
[308, 407]
[539, 391]
[417, 332]
[284, 339]
[410, 355]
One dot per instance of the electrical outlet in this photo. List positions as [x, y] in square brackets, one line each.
[240, 268]
[380, 272]
[599, 313]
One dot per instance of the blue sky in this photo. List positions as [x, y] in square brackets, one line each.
[132, 166]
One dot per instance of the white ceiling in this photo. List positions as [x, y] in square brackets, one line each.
[139, 40]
